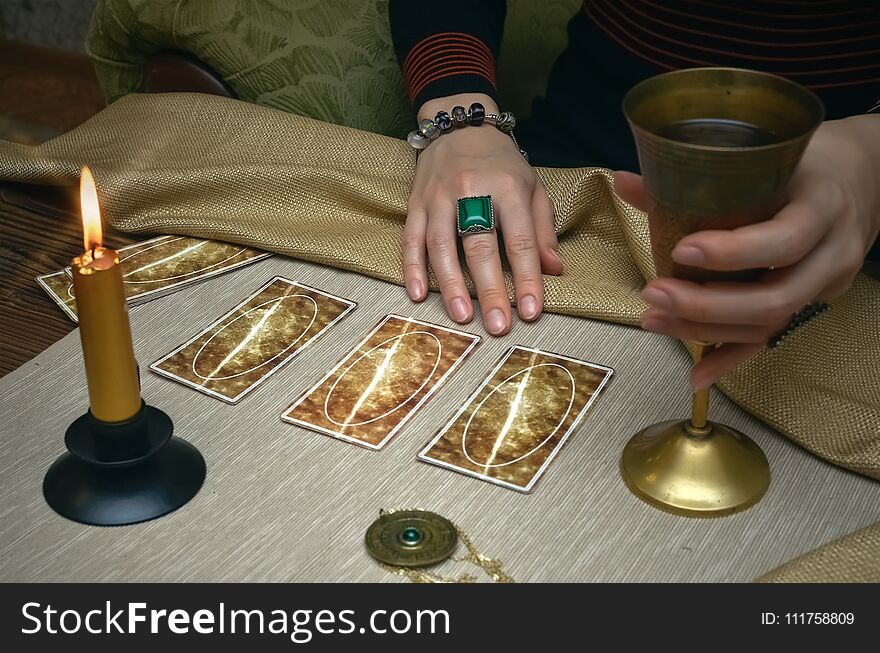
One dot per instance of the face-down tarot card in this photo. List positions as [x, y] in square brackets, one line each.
[159, 266]
[243, 348]
[372, 392]
[516, 422]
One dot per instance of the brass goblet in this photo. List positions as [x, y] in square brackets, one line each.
[717, 147]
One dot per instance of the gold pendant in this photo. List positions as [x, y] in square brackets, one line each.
[404, 542]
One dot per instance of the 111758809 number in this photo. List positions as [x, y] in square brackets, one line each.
[819, 618]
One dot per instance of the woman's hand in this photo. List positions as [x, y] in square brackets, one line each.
[813, 248]
[478, 161]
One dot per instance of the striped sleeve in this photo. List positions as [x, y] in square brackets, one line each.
[449, 51]
[821, 44]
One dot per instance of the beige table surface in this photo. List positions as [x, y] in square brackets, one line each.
[284, 504]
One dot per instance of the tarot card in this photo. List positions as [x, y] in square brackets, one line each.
[60, 288]
[157, 267]
[251, 342]
[379, 385]
[516, 422]
[164, 264]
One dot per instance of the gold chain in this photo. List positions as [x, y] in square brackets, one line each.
[491, 566]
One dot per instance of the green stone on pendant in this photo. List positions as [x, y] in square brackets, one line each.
[411, 536]
[475, 214]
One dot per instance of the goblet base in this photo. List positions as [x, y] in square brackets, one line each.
[708, 472]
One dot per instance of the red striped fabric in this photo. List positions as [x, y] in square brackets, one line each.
[821, 44]
[446, 54]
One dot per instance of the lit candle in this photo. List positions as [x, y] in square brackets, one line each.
[111, 369]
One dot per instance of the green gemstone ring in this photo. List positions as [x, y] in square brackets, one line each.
[475, 215]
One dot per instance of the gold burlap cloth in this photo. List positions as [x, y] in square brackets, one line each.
[218, 168]
[851, 559]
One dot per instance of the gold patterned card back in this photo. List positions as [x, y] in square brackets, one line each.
[243, 348]
[516, 422]
[379, 385]
[156, 267]
[164, 264]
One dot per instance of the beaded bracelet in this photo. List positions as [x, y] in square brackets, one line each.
[443, 123]
[806, 314]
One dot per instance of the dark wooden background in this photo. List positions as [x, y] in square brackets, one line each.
[43, 92]
[40, 232]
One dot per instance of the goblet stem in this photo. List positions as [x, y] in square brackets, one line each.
[699, 422]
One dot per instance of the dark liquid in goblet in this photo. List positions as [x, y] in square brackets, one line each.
[719, 133]
[668, 227]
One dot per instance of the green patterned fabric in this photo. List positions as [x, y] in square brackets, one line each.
[326, 59]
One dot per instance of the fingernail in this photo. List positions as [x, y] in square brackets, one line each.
[688, 255]
[459, 308]
[528, 307]
[415, 289]
[657, 298]
[495, 321]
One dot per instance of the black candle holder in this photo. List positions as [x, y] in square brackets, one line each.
[123, 473]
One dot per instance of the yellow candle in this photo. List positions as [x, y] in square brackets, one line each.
[111, 369]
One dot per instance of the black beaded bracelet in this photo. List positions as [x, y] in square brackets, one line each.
[444, 122]
[800, 319]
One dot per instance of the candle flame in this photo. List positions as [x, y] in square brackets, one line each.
[91, 212]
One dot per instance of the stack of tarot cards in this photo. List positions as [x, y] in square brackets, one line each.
[159, 266]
